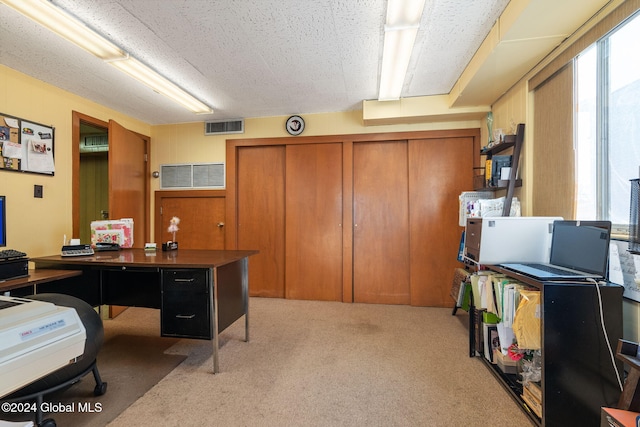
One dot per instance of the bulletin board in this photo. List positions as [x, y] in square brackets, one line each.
[624, 269]
[26, 146]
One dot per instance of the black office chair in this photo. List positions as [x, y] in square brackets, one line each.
[72, 373]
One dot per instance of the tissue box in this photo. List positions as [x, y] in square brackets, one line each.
[118, 231]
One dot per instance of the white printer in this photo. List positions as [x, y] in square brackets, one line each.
[36, 338]
[499, 240]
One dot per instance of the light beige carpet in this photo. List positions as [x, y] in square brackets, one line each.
[326, 364]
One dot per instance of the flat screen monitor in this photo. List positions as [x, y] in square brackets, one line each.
[3, 221]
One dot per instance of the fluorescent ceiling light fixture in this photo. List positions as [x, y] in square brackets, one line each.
[400, 30]
[49, 16]
[141, 72]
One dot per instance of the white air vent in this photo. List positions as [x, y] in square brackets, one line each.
[94, 143]
[222, 127]
[197, 175]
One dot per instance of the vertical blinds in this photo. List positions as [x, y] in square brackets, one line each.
[553, 190]
[553, 187]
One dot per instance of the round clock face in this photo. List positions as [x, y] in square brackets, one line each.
[295, 125]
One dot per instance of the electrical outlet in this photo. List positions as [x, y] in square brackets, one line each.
[37, 191]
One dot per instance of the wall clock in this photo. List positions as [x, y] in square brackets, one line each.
[295, 125]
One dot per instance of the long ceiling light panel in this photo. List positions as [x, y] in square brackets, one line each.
[400, 30]
[49, 16]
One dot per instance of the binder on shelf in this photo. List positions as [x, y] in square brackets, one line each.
[491, 341]
[477, 331]
[461, 289]
[464, 301]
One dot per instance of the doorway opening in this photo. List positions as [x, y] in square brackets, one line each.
[91, 174]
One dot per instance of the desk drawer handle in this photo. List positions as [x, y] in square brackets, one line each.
[185, 316]
[185, 280]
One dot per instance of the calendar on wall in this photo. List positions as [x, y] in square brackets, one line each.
[26, 146]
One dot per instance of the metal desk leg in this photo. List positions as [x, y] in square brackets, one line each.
[245, 296]
[213, 300]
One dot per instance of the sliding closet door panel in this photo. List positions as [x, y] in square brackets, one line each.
[439, 170]
[381, 223]
[260, 216]
[313, 222]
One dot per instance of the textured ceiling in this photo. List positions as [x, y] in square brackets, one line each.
[247, 58]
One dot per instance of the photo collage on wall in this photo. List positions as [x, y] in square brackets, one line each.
[26, 146]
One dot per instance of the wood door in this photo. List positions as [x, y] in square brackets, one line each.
[314, 222]
[381, 223]
[260, 210]
[439, 170]
[201, 219]
[128, 180]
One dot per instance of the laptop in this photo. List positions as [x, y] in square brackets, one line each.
[579, 251]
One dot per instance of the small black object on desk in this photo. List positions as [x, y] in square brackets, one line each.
[101, 247]
[170, 246]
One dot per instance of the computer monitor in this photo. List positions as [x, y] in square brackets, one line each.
[3, 221]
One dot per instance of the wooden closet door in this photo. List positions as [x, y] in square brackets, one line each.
[261, 216]
[381, 223]
[439, 170]
[313, 222]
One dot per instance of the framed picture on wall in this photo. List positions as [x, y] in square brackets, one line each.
[26, 146]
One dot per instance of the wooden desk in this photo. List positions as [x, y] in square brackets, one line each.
[199, 292]
[36, 277]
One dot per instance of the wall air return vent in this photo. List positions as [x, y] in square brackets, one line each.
[196, 175]
[224, 127]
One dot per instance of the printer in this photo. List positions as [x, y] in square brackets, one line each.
[499, 240]
[36, 338]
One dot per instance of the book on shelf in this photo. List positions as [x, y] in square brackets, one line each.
[491, 341]
[487, 172]
[460, 279]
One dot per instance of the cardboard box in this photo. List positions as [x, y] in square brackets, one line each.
[536, 407]
[504, 362]
[611, 417]
[118, 231]
[535, 390]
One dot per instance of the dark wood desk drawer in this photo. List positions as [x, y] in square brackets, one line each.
[185, 309]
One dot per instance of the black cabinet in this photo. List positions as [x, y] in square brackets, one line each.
[578, 370]
[185, 303]
[580, 374]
